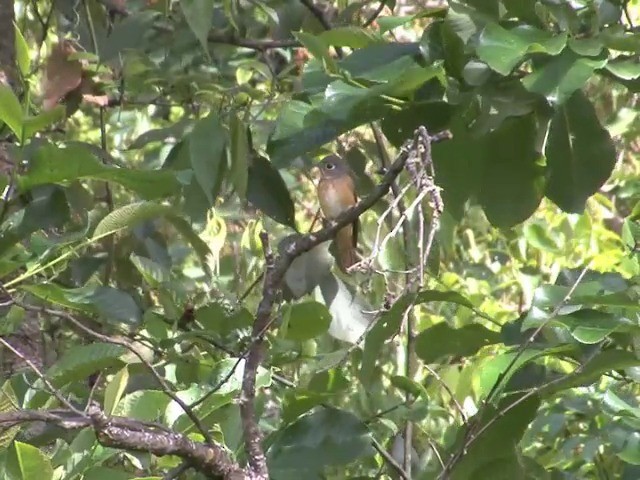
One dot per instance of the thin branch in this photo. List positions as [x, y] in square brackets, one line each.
[375, 14]
[54, 391]
[390, 460]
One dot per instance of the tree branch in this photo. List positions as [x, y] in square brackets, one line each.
[124, 433]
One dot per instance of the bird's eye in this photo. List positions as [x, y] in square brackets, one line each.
[329, 166]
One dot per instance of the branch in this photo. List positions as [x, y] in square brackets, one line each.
[119, 432]
[276, 268]
[254, 44]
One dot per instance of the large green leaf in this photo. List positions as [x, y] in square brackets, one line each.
[307, 320]
[503, 49]
[580, 154]
[442, 340]
[10, 110]
[326, 437]
[267, 191]
[199, 16]
[207, 144]
[27, 462]
[51, 164]
[512, 181]
[561, 76]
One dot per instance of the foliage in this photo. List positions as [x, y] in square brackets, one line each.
[150, 144]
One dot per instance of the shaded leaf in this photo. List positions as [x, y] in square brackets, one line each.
[512, 181]
[442, 340]
[323, 438]
[207, 144]
[51, 164]
[199, 16]
[27, 462]
[580, 154]
[561, 76]
[268, 192]
[307, 320]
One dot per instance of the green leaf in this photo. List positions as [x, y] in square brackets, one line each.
[27, 462]
[409, 386]
[33, 125]
[10, 110]
[561, 76]
[328, 437]
[605, 362]
[114, 390]
[51, 164]
[268, 192]
[147, 405]
[503, 49]
[307, 320]
[199, 16]
[442, 340]
[624, 68]
[80, 361]
[592, 326]
[8, 403]
[350, 36]
[512, 181]
[504, 431]
[239, 155]
[22, 53]
[580, 154]
[207, 144]
[152, 272]
[109, 302]
[538, 237]
[386, 326]
[426, 296]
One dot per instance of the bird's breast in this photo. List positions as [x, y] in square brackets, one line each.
[335, 197]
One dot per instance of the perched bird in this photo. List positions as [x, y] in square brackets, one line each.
[336, 193]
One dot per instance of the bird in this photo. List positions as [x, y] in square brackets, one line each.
[336, 193]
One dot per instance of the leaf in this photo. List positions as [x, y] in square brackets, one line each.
[512, 181]
[626, 69]
[323, 438]
[147, 405]
[386, 326]
[10, 110]
[22, 53]
[127, 216]
[605, 362]
[442, 340]
[80, 361]
[114, 390]
[538, 237]
[500, 438]
[199, 16]
[580, 154]
[152, 272]
[8, 403]
[239, 155]
[307, 320]
[561, 76]
[503, 49]
[111, 303]
[207, 144]
[591, 326]
[267, 191]
[409, 386]
[350, 36]
[425, 296]
[27, 462]
[51, 164]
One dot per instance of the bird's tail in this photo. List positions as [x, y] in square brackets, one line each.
[345, 249]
